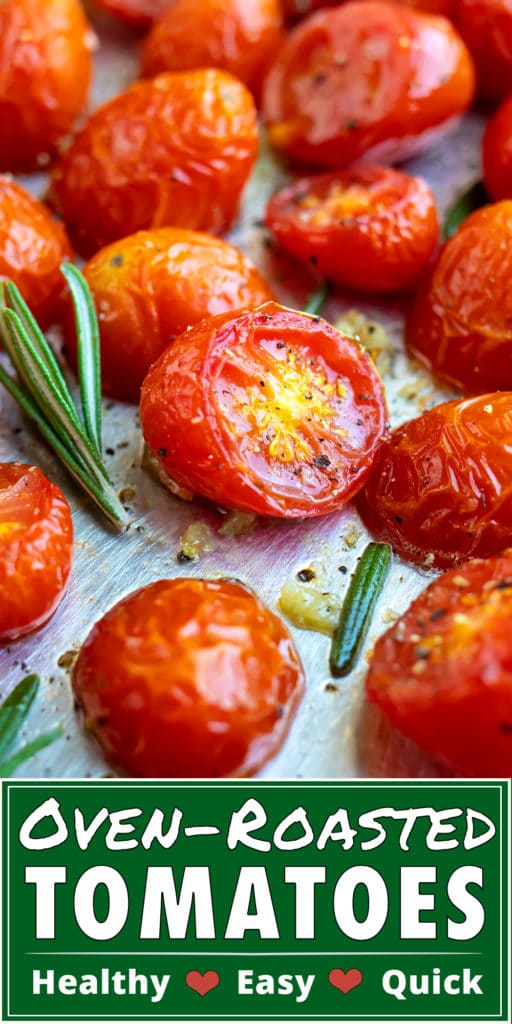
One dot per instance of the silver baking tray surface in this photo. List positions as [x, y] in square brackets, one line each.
[334, 734]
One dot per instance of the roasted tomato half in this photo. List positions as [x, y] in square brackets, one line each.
[32, 247]
[241, 36]
[461, 321]
[269, 411]
[36, 547]
[441, 488]
[45, 72]
[443, 673]
[174, 150]
[189, 678]
[368, 79]
[486, 27]
[497, 153]
[372, 228]
[150, 287]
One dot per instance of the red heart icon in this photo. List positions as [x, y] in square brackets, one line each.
[202, 983]
[345, 980]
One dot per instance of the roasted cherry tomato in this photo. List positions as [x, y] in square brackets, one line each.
[461, 321]
[371, 228]
[295, 9]
[441, 488]
[269, 411]
[370, 79]
[45, 72]
[241, 36]
[486, 27]
[189, 678]
[140, 13]
[497, 153]
[174, 150]
[32, 247]
[36, 546]
[443, 673]
[150, 287]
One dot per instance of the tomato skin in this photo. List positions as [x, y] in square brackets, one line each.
[443, 673]
[189, 678]
[371, 228]
[497, 153]
[32, 247]
[295, 9]
[268, 410]
[36, 547]
[486, 27]
[139, 13]
[368, 79]
[126, 171]
[241, 36]
[45, 73]
[441, 489]
[460, 322]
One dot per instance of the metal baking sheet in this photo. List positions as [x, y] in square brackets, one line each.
[334, 734]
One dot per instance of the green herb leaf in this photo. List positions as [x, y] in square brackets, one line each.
[15, 709]
[9, 766]
[317, 299]
[358, 606]
[89, 360]
[471, 200]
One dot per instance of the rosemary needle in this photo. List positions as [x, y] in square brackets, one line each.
[13, 713]
[317, 299]
[358, 606]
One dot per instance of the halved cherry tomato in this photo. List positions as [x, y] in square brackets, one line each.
[441, 488]
[36, 546]
[140, 13]
[32, 247]
[497, 153]
[372, 228]
[241, 36]
[189, 677]
[443, 673]
[370, 79]
[45, 72]
[174, 150]
[461, 321]
[148, 288]
[270, 411]
[486, 27]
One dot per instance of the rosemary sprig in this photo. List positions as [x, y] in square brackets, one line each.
[473, 199]
[13, 713]
[358, 606]
[43, 394]
[317, 299]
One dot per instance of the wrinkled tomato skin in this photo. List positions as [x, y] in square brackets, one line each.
[36, 547]
[372, 228]
[486, 27]
[497, 153]
[268, 410]
[460, 324]
[441, 489]
[139, 13]
[189, 678]
[295, 9]
[45, 73]
[32, 247]
[241, 36]
[442, 674]
[175, 150]
[369, 79]
[149, 288]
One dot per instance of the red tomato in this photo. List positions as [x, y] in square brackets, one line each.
[497, 153]
[369, 79]
[36, 546]
[443, 673]
[441, 488]
[174, 150]
[45, 72]
[269, 411]
[241, 36]
[461, 322]
[372, 228]
[140, 13]
[486, 27]
[189, 678]
[295, 9]
[32, 247]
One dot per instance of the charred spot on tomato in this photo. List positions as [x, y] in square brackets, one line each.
[117, 260]
[321, 461]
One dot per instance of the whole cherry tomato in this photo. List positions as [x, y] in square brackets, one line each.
[32, 247]
[497, 153]
[295, 9]
[371, 79]
[486, 27]
[45, 72]
[269, 411]
[140, 13]
[371, 228]
[189, 678]
[461, 321]
[174, 150]
[241, 36]
[150, 287]
[443, 673]
[441, 488]
[36, 547]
